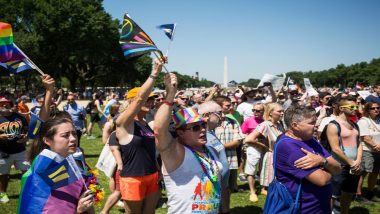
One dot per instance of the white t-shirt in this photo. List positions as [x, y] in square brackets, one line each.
[325, 121]
[369, 127]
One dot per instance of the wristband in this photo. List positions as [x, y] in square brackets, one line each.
[153, 77]
[168, 103]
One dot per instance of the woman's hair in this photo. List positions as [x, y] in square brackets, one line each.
[297, 114]
[268, 108]
[259, 104]
[114, 109]
[47, 130]
[367, 109]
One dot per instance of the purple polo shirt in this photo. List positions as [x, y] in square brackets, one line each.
[313, 199]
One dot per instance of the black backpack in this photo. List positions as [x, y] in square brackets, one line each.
[89, 107]
[324, 140]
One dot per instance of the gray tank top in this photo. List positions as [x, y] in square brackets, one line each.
[190, 190]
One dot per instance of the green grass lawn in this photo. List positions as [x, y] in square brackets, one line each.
[240, 203]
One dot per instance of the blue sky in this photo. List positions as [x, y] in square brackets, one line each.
[258, 37]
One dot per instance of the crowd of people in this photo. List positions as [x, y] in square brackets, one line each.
[197, 144]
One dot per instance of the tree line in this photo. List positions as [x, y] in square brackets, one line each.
[342, 76]
[77, 42]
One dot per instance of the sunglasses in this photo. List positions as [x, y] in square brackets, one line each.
[256, 110]
[375, 108]
[198, 127]
[351, 107]
[293, 93]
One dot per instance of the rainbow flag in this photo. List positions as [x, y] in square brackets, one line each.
[50, 186]
[134, 41]
[8, 52]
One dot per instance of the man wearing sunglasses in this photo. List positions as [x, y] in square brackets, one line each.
[347, 150]
[191, 170]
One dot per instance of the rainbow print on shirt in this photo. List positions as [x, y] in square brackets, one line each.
[205, 198]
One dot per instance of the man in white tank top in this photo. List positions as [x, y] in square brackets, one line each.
[192, 170]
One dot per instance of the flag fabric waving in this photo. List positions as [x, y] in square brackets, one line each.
[168, 30]
[34, 125]
[134, 41]
[8, 52]
[49, 178]
[17, 66]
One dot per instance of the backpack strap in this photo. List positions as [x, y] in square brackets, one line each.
[339, 136]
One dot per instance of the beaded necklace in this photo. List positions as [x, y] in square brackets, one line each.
[214, 169]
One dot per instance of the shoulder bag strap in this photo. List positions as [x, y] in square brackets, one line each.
[298, 192]
[274, 168]
[275, 155]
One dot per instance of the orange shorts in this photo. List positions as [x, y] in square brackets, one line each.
[139, 187]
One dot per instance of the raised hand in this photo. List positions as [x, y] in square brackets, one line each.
[48, 82]
[171, 83]
[157, 66]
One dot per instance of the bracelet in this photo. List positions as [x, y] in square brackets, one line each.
[153, 77]
[168, 103]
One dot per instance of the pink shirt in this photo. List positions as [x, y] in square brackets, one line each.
[250, 124]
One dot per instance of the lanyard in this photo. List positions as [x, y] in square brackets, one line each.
[214, 169]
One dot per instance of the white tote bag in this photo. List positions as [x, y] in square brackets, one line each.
[106, 162]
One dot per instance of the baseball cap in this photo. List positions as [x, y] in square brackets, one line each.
[134, 91]
[186, 116]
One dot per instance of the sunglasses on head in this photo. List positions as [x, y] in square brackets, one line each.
[375, 108]
[257, 110]
[351, 107]
[197, 127]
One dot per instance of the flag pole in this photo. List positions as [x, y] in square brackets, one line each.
[30, 61]
[159, 58]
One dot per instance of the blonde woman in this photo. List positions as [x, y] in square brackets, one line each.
[264, 137]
